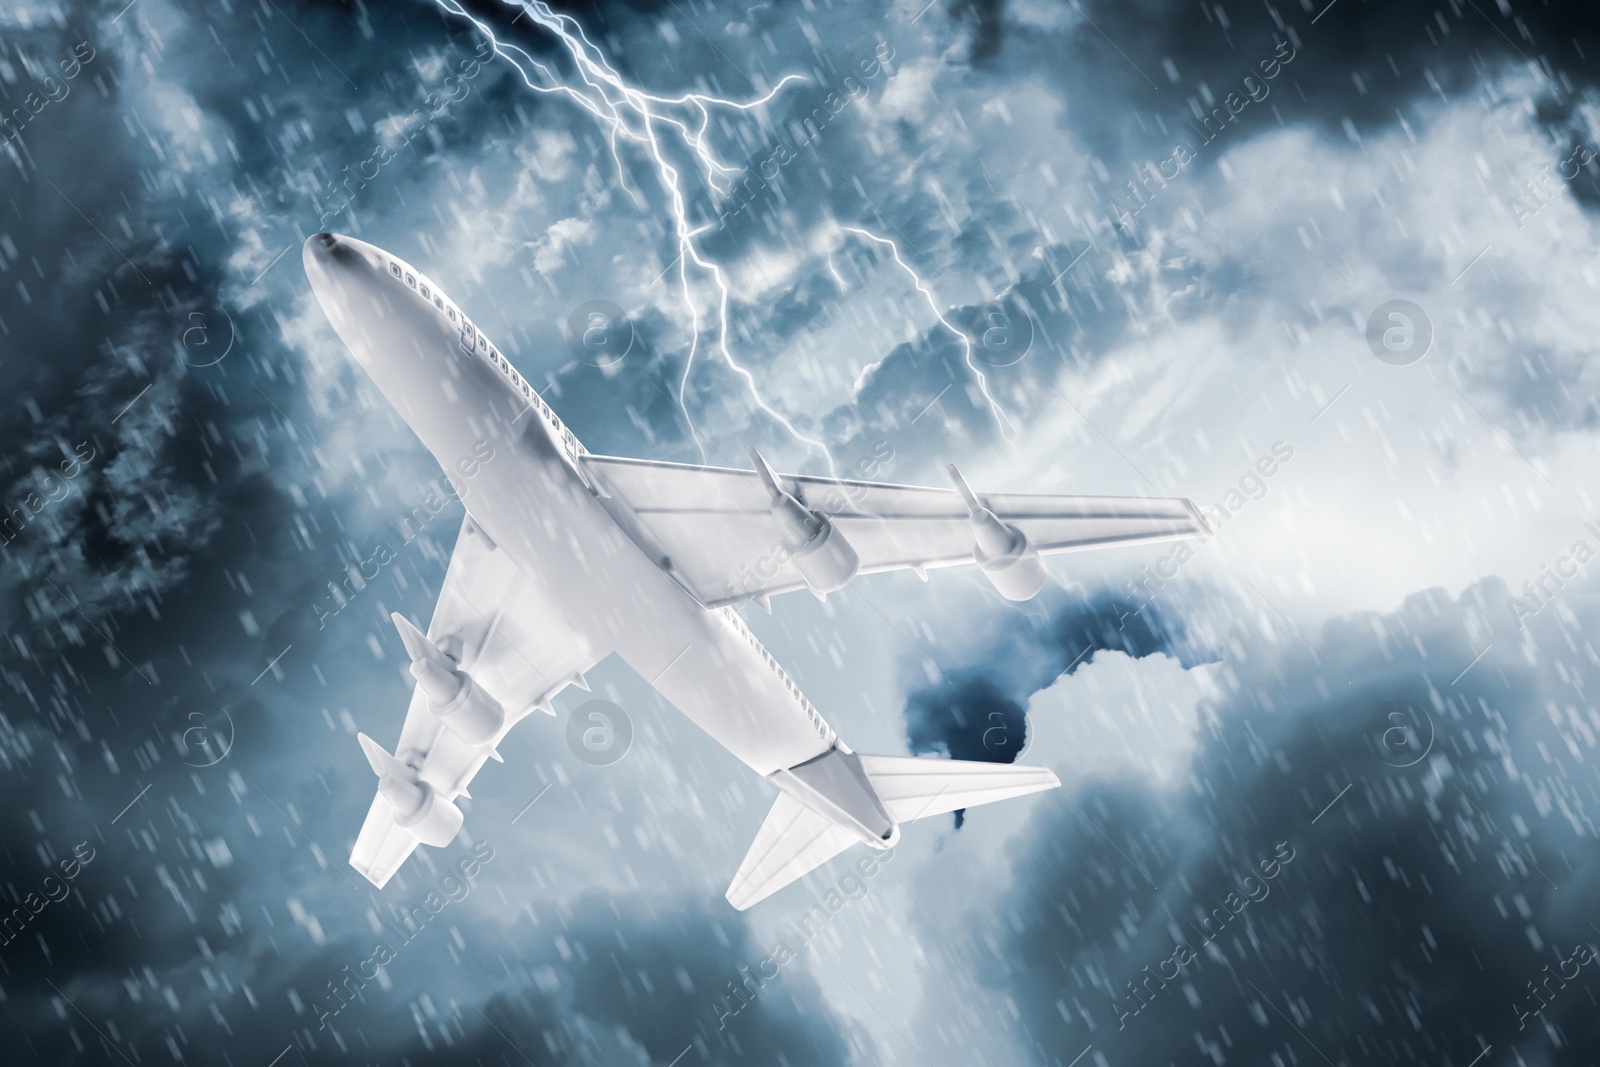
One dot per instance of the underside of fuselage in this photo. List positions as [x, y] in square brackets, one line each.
[534, 501]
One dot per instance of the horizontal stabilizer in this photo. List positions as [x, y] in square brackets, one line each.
[793, 842]
[796, 839]
[915, 787]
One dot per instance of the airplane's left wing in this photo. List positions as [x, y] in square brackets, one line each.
[499, 648]
[731, 535]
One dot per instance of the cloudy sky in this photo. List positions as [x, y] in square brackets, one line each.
[1329, 791]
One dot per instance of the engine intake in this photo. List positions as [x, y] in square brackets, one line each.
[418, 808]
[454, 697]
[1002, 551]
[824, 557]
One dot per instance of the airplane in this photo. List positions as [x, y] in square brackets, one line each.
[565, 557]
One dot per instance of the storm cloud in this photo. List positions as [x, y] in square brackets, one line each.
[1441, 862]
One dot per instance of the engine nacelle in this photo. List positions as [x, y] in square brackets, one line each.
[1016, 576]
[459, 702]
[420, 810]
[828, 561]
[823, 556]
[453, 696]
[417, 806]
[1001, 551]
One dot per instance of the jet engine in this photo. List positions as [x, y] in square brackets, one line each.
[822, 555]
[1001, 551]
[418, 807]
[454, 697]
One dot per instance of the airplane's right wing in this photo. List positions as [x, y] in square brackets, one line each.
[498, 627]
[720, 532]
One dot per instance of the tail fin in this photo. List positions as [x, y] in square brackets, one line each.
[796, 839]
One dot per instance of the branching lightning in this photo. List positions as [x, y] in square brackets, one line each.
[630, 114]
[1000, 418]
[654, 123]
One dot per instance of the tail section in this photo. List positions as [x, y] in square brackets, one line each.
[915, 787]
[807, 826]
[793, 842]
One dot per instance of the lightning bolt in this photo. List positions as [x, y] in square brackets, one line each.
[630, 114]
[654, 123]
[1001, 421]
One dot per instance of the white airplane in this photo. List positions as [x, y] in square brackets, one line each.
[565, 557]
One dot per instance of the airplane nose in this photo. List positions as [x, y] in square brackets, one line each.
[331, 262]
[327, 246]
[331, 254]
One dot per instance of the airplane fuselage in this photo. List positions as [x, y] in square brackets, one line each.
[538, 503]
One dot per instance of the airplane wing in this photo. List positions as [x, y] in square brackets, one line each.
[716, 528]
[498, 627]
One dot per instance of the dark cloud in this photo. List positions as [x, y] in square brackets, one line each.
[987, 18]
[1048, 321]
[977, 709]
[1360, 62]
[1417, 907]
[619, 973]
[194, 549]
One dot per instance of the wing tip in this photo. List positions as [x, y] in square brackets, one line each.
[371, 874]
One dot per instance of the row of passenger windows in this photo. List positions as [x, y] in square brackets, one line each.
[469, 334]
[811, 712]
[422, 287]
